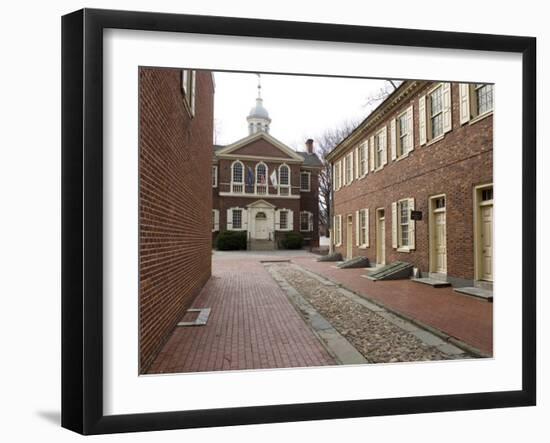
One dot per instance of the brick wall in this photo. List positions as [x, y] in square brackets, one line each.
[175, 202]
[452, 166]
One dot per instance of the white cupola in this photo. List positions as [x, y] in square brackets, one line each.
[258, 118]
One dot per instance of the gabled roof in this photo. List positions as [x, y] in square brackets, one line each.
[311, 160]
[229, 149]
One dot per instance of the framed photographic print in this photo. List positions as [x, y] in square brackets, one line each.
[269, 221]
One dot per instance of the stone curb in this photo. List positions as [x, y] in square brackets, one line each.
[444, 336]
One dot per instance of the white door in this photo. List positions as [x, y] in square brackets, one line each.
[440, 243]
[486, 234]
[381, 239]
[260, 227]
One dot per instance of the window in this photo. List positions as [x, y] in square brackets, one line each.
[237, 177]
[363, 159]
[487, 194]
[403, 135]
[237, 218]
[306, 221]
[261, 179]
[439, 203]
[436, 113]
[284, 180]
[403, 233]
[283, 219]
[305, 178]
[484, 98]
[214, 176]
[188, 86]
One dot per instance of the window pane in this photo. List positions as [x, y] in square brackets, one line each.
[261, 175]
[484, 98]
[304, 181]
[283, 175]
[237, 219]
[237, 173]
[404, 223]
[283, 219]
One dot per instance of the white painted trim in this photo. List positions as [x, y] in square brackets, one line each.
[256, 136]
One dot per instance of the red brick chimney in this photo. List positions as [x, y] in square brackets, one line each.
[309, 145]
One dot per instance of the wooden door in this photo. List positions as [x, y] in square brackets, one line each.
[486, 237]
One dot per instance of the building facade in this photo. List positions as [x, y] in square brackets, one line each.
[265, 188]
[414, 182]
[175, 144]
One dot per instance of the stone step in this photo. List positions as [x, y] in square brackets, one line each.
[261, 245]
[355, 262]
[433, 282]
[481, 293]
[393, 271]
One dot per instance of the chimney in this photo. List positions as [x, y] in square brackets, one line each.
[309, 145]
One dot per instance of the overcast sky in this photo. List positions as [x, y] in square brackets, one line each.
[300, 107]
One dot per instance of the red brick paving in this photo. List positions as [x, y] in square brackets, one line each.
[460, 316]
[252, 325]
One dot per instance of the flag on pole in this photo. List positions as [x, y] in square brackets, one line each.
[250, 177]
[273, 178]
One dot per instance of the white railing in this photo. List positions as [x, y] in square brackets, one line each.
[237, 188]
[261, 189]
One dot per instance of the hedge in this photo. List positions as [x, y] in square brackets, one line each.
[231, 240]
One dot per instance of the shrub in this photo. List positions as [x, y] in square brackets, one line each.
[231, 240]
[292, 240]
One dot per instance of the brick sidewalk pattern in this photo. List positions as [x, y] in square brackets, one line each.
[252, 325]
[459, 316]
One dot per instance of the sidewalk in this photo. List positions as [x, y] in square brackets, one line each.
[459, 316]
[252, 324]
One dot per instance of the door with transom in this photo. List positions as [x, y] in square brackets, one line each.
[438, 239]
[261, 231]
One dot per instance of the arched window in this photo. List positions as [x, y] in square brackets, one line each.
[261, 178]
[284, 180]
[237, 177]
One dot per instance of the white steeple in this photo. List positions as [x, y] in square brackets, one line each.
[258, 118]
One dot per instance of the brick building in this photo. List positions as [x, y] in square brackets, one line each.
[265, 188]
[175, 145]
[413, 182]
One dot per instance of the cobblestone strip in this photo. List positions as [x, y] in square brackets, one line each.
[379, 335]
[338, 347]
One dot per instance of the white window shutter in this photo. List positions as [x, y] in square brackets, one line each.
[371, 159]
[356, 162]
[290, 220]
[334, 177]
[333, 231]
[310, 221]
[278, 220]
[351, 167]
[394, 225]
[410, 129]
[357, 228]
[244, 223]
[366, 153]
[193, 91]
[412, 225]
[184, 81]
[393, 142]
[367, 233]
[464, 89]
[384, 142]
[422, 119]
[216, 220]
[230, 219]
[447, 108]
[344, 168]
[340, 178]
[339, 229]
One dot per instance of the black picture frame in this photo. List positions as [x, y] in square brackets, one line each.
[82, 218]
